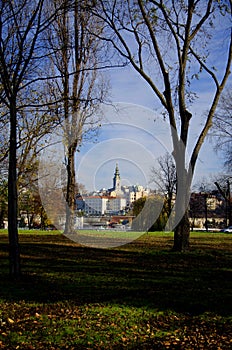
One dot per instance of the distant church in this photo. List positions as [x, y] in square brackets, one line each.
[116, 189]
[111, 201]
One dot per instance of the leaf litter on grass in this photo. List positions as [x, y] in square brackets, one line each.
[137, 297]
[66, 326]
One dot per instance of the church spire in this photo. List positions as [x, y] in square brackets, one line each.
[117, 171]
[117, 180]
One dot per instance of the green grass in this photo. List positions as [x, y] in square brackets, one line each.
[137, 296]
[33, 231]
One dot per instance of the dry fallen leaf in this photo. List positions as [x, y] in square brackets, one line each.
[10, 320]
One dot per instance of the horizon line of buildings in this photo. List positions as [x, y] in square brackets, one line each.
[112, 201]
[118, 200]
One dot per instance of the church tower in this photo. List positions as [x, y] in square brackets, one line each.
[117, 181]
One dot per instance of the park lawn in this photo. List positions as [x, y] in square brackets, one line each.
[136, 296]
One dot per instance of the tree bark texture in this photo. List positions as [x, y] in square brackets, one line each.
[182, 235]
[70, 195]
[14, 251]
[184, 180]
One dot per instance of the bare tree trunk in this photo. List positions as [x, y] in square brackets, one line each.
[14, 252]
[182, 224]
[182, 234]
[77, 85]
[70, 195]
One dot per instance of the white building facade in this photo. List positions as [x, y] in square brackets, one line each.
[115, 205]
[132, 193]
[112, 201]
[95, 205]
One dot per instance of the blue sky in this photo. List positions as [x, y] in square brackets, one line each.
[132, 136]
[137, 136]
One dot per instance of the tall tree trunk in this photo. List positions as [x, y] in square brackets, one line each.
[70, 195]
[182, 224]
[14, 252]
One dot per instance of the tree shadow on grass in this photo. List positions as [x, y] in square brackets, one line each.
[59, 271]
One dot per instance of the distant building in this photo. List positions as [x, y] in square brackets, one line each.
[116, 189]
[101, 205]
[115, 205]
[132, 193]
[112, 201]
[207, 210]
[95, 205]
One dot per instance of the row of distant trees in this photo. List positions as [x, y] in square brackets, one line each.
[52, 53]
